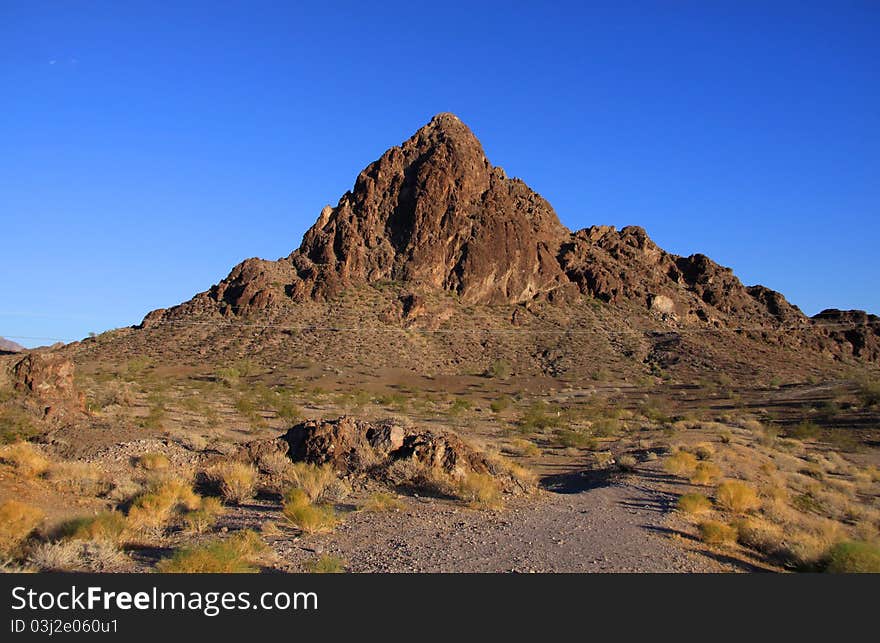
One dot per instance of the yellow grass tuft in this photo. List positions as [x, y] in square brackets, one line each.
[237, 554]
[479, 490]
[381, 501]
[681, 463]
[308, 518]
[154, 461]
[26, 458]
[107, 526]
[204, 517]
[235, 480]
[706, 473]
[17, 521]
[694, 503]
[736, 496]
[314, 480]
[326, 564]
[714, 532]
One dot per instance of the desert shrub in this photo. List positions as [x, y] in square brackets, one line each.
[760, 535]
[78, 556]
[459, 405]
[274, 463]
[117, 393]
[153, 510]
[108, 526]
[605, 428]
[656, 410]
[853, 557]
[627, 462]
[305, 516]
[681, 463]
[694, 503]
[228, 375]
[26, 458]
[17, 521]
[572, 438]
[235, 481]
[736, 496]
[205, 516]
[500, 369]
[805, 430]
[869, 394]
[522, 447]
[326, 564]
[703, 451]
[479, 490]
[500, 404]
[315, 480]
[236, 554]
[381, 501]
[539, 417]
[16, 424]
[419, 477]
[714, 532]
[154, 461]
[706, 473]
[83, 478]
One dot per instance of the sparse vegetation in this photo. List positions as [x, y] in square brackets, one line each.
[714, 532]
[382, 501]
[28, 461]
[17, 521]
[694, 503]
[235, 481]
[154, 461]
[326, 564]
[237, 554]
[853, 557]
[681, 463]
[305, 516]
[479, 490]
[736, 496]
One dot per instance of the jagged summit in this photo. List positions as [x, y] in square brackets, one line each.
[434, 215]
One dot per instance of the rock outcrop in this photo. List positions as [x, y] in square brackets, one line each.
[47, 381]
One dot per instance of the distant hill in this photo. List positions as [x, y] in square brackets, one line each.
[10, 346]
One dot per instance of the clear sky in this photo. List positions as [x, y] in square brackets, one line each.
[147, 147]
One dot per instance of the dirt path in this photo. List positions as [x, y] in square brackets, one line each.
[584, 526]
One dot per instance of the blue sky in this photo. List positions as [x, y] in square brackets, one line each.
[147, 148]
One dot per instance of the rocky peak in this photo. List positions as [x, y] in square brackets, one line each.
[434, 212]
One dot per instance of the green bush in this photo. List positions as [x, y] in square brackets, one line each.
[853, 557]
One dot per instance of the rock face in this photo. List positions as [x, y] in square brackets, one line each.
[853, 333]
[47, 380]
[435, 215]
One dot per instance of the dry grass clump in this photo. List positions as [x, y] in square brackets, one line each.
[107, 526]
[236, 481]
[274, 463]
[205, 516]
[761, 535]
[78, 556]
[421, 478]
[326, 564]
[316, 481]
[681, 463]
[853, 557]
[522, 448]
[479, 490]
[28, 461]
[154, 461]
[627, 462]
[706, 473]
[714, 532]
[736, 496]
[83, 478]
[305, 516]
[694, 503]
[152, 511]
[381, 501]
[17, 521]
[237, 554]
